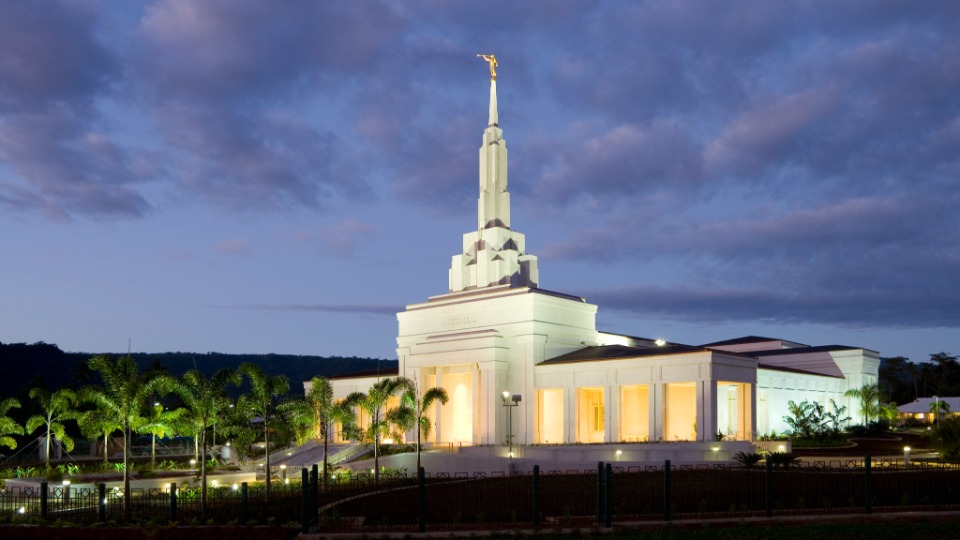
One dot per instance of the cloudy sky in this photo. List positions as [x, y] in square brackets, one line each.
[242, 176]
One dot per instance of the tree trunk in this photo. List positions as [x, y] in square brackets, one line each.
[153, 451]
[266, 450]
[325, 474]
[126, 474]
[376, 458]
[418, 446]
[47, 454]
[203, 476]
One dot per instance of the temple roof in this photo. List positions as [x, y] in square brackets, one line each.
[804, 350]
[750, 339]
[385, 372]
[613, 352]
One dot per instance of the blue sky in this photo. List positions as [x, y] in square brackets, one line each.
[256, 177]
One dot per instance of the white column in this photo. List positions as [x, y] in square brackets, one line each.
[748, 408]
[706, 410]
[655, 400]
[611, 421]
[570, 414]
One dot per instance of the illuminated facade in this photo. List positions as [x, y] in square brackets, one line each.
[495, 331]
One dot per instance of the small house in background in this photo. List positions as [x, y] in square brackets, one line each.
[922, 409]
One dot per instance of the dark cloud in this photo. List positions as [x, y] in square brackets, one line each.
[627, 160]
[370, 309]
[344, 239]
[257, 160]
[59, 158]
[871, 262]
[249, 52]
[907, 308]
[224, 82]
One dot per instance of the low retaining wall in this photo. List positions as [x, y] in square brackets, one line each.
[162, 483]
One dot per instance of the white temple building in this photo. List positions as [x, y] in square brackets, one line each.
[496, 333]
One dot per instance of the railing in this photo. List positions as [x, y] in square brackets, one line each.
[497, 500]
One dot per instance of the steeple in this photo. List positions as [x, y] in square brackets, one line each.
[493, 103]
[493, 254]
[493, 206]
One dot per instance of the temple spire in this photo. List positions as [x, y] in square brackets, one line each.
[492, 60]
[493, 254]
[493, 103]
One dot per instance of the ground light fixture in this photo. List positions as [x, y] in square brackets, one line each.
[716, 453]
[906, 455]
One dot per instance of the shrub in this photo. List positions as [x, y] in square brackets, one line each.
[783, 459]
[948, 439]
[747, 459]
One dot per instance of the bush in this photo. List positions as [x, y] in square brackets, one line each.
[947, 438]
[879, 427]
[747, 459]
[783, 459]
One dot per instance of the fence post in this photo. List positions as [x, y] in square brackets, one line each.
[421, 500]
[173, 501]
[608, 497]
[44, 496]
[102, 501]
[304, 503]
[867, 486]
[666, 490]
[315, 491]
[536, 496]
[244, 504]
[768, 492]
[600, 493]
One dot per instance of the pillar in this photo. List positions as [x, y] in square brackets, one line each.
[706, 410]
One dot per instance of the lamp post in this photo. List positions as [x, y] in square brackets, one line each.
[936, 410]
[510, 401]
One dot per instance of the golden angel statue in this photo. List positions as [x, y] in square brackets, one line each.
[492, 60]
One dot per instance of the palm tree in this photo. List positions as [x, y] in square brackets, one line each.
[869, 396]
[316, 414]
[159, 423]
[939, 407]
[419, 406]
[374, 403]
[56, 408]
[9, 426]
[95, 424]
[262, 401]
[121, 401]
[205, 400]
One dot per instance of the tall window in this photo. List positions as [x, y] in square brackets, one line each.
[590, 415]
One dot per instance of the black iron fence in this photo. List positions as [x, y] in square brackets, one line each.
[578, 498]
[552, 498]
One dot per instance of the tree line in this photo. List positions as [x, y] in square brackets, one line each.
[46, 365]
[152, 403]
[903, 381]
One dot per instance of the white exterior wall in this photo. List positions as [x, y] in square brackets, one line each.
[703, 369]
[499, 334]
[776, 389]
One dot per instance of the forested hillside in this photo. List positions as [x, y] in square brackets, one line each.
[42, 364]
